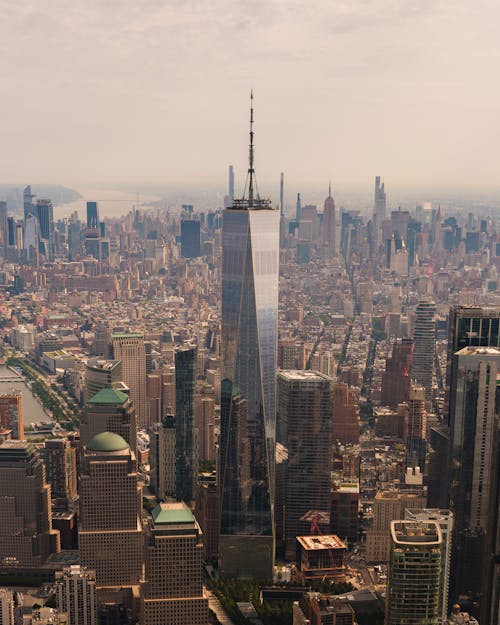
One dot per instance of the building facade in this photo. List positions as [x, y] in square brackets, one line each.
[130, 349]
[76, 594]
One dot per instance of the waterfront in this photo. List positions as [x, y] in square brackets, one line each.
[10, 381]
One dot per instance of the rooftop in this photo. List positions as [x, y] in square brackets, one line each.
[416, 532]
[108, 396]
[172, 514]
[107, 442]
[323, 541]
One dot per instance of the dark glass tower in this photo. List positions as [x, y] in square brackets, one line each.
[92, 215]
[190, 238]
[186, 443]
[250, 258]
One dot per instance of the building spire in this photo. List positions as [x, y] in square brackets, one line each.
[330, 189]
[251, 170]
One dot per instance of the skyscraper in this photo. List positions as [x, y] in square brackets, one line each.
[109, 410]
[110, 528]
[396, 377]
[101, 374]
[305, 417]
[329, 226]
[4, 228]
[130, 349]
[231, 186]
[380, 202]
[60, 462]
[92, 215]
[417, 428]
[250, 259]
[186, 439]
[6, 607]
[424, 340]
[473, 463]
[190, 238]
[11, 413]
[29, 209]
[162, 457]
[75, 594]
[26, 534]
[414, 573]
[45, 212]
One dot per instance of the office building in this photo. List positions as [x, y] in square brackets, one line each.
[130, 349]
[110, 530]
[424, 340]
[162, 457]
[173, 588]
[314, 608]
[389, 505]
[396, 377]
[45, 212]
[6, 607]
[304, 423]
[380, 202]
[329, 226]
[344, 511]
[321, 557]
[28, 206]
[11, 414]
[414, 573]
[186, 439]
[474, 395]
[231, 186]
[76, 594]
[190, 238]
[345, 418]
[444, 518]
[92, 215]
[4, 228]
[416, 445]
[109, 410]
[26, 534]
[99, 374]
[207, 513]
[60, 464]
[250, 266]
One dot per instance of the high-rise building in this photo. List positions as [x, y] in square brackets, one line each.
[29, 208]
[4, 228]
[475, 397]
[173, 588]
[380, 202]
[414, 576]
[304, 423]
[6, 607]
[424, 339]
[231, 186]
[130, 349]
[329, 226]
[444, 518]
[345, 421]
[76, 594]
[11, 414]
[162, 457]
[344, 511]
[207, 513]
[416, 446]
[396, 377]
[92, 215]
[110, 528]
[60, 463]
[186, 438]
[26, 534]
[45, 212]
[101, 374]
[250, 266]
[190, 238]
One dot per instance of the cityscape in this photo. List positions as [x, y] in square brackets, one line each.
[235, 399]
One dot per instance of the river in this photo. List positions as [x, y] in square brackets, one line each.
[32, 408]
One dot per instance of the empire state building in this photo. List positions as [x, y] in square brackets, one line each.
[250, 270]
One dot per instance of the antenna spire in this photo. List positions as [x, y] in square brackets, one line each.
[251, 170]
[330, 189]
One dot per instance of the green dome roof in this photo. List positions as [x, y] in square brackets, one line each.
[107, 441]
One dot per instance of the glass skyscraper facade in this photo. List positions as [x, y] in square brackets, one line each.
[186, 443]
[250, 266]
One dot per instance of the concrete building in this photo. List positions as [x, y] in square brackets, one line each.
[26, 534]
[99, 374]
[173, 588]
[130, 349]
[396, 377]
[6, 607]
[109, 410]
[162, 457]
[314, 608]
[60, 463]
[344, 512]
[321, 556]
[76, 594]
[304, 427]
[389, 505]
[444, 518]
[110, 529]
[416, 432]
[414, 573]
[345, 418]
[424, 339]
[11, 414]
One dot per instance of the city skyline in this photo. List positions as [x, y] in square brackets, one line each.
[355, 91]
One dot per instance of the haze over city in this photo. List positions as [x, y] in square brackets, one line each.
[155, 93]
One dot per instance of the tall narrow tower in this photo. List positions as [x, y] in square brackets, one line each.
[231, 186]
[329, 226]
[250, 258]
[130, 349]
[424, 339]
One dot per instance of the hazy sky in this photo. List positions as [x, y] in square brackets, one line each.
[151, 91]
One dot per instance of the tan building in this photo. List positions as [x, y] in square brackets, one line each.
[389, 505]
[101, 373]
[109, 410]
[6, 607]
[130, 349]
[60, 464]
[26, 534]
[110, 529]
[11, 414]
[173, 590]
[162, 457]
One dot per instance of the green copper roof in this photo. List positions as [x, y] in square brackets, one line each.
[172, 513]
[108, 396]
[107, 441]
[127, 335]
